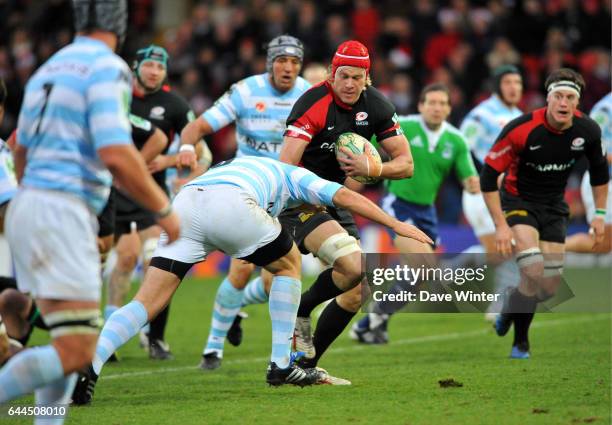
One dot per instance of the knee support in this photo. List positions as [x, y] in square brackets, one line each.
[337, 246]
[529, 257]
[73, 322]
[553, 268]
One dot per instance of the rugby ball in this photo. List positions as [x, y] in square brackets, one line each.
[356, 144]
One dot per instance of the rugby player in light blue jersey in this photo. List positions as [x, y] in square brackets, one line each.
[582, 242]
[73, 130]
[234, 208]
[259, 105]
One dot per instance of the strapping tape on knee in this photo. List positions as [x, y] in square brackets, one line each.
[529, 257]
[553, 268]
[73, 322]
[148, 249]
[337, 246]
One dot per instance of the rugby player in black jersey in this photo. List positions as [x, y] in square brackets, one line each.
[345, 103]
[537, 151]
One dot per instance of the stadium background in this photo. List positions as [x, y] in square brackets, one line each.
[215, 43]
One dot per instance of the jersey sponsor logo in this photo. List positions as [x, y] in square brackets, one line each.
[304, 217]
[263, 146]
[260, 106]
[157, 112]
[551, 167]
[578, 144]
[287, 104]
[494, 155]
[328, 146]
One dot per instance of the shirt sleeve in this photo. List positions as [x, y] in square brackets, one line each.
[463, 162]
[308, 115]
[225, 110]
[306, 186]
[108, 98]
[387, 122]
[595, 151]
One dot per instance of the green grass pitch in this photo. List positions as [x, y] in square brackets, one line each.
[567, 381]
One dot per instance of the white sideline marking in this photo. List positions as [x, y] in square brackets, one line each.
[417, 340]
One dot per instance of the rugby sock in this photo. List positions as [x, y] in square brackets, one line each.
[57, 393]
[158, 325]
[522, 308]
[118, 329]
[322, 290]
[522, 321]
[108, 310]
[255, 292]
[283, 306]
[227, 306]
[331, 323]
[30, 369]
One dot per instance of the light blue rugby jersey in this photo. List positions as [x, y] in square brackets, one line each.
[260, 112]
[602, 114]
[76, 103]
[482, 125]
[275, 185]
[8, 183]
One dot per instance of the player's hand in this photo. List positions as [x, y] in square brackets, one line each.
[359, 165]
[597, 231]
[187, 159]
[410, 231]
[171, 226]
[160, 162]
[472, 184]
[503, 240]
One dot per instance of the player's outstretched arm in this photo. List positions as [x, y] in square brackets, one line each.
[191, 134]
[361, 205]
[292, 150]
[129, 170]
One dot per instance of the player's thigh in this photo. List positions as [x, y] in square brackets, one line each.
[287, 265]
[156, 290]
[58, 261]
[525, 237]
[128, 249]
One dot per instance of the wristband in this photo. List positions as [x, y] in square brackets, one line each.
[187, 148]
[164, 212]
[600, 211]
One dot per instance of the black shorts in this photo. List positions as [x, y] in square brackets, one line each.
[106, 219]
[300, 224]
[550, 219]
[271, 252]
[129, 211]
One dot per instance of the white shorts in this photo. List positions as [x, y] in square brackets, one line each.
[53, 240]
[589, 204]
[222, 217]
[477, 214]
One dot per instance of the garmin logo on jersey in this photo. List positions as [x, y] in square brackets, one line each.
[551, 167]
[578, 144]
[360, 118]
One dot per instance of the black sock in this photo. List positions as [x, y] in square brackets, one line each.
[331, 323]
[158, 325]
[7, 283]
[522, 308]
[322, 290]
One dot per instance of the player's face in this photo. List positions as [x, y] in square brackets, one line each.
[435, 109]
[561, 105]
[152, 74]
[348, 84]
[285, 70]
[511, 88]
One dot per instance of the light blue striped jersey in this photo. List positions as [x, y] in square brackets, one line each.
[260, 112]
[8, 183]
[77, 102]
[275, 185]
[482, 125]
[602, 114]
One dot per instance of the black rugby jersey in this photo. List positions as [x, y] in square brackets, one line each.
[538, 159]
[168, 111]
[320, 117]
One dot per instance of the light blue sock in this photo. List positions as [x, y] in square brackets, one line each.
[30, 369]
[57, 393]
[254, 292]
[227, 306]
[284, 301]
[108, 310]
[119, 329]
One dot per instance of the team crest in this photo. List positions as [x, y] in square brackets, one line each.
[361, 116]
[578, 144]
[157, 112]
[260, 106]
